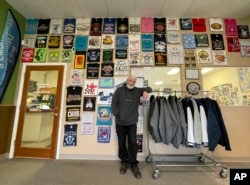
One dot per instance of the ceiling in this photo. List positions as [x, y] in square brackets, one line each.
[132, 8]
[135, 8]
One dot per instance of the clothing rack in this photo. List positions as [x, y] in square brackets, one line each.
[171, 92]
[201, 159]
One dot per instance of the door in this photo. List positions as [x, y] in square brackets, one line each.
[38, 121]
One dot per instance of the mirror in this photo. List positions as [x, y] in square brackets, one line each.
[162, 79]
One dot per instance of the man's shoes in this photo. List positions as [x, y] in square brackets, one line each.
[123, 168]
[136, 172]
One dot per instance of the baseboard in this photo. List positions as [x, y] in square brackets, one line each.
[88, 157]
[142, 157]
[232, 159]
[4, 156]
[96, 157]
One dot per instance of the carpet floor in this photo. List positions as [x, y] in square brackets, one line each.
[19, 171]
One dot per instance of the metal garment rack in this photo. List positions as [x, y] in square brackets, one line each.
[157, 164]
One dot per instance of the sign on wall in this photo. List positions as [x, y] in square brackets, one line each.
[9, 51]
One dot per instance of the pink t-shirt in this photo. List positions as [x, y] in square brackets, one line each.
[147, 25]
[231, 27]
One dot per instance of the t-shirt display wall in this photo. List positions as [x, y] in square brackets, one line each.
[100, 52]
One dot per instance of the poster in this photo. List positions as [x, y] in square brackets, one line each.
[244, 78]
[9, 51]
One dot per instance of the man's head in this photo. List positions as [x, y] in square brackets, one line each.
[131, 81]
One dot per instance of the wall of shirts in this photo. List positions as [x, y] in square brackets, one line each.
[102, 50]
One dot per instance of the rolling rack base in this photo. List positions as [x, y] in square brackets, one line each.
[201, 160]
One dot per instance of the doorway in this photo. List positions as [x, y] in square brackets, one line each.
[38, 121]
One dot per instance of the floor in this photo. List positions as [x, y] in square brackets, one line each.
[21, 171]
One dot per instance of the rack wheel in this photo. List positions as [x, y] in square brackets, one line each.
[202, 159]
[223, 173]
[155, 175]
[148, 159]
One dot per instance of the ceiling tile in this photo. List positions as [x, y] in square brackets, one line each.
[131, 8]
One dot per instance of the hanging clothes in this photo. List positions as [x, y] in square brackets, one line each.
[197, 124]
[178, 136]
[171, 123]
[204, 134]
[188, 121]
[153, 119]
[217, 133]
[183, 123]
[188, 111]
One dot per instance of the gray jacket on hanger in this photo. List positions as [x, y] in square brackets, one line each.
[183, 122]
[153, 119]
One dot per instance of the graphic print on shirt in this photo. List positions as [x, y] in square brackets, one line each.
[90, 87]
[96, 27]
[122, 25]
[121, 42]
[31, 26]
[160, 49]
[109, 25]
[83, 26]
[93, 55]
[70, 135]
[147, 42]
[74, 95]
[231, 27]
[68, 41]
[69, 26]
[107, 55]
[147, 25]
[201, 40]
[73, 113]
[159, 25]
[186, 23]
[188, 41]
[56, 26]
[43, 26]
[107, 69]
[89, 103]
[217, 42]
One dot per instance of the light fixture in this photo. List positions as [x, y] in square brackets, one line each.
[173, 71]
[158, 82]
[205, 70]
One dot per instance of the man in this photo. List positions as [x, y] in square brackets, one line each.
[125, 103]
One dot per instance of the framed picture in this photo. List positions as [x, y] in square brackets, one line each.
[106, 83]
[192, 74]
[139, 82]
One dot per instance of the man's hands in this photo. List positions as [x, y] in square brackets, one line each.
[145, 95]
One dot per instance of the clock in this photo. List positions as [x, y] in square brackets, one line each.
[193, 88]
